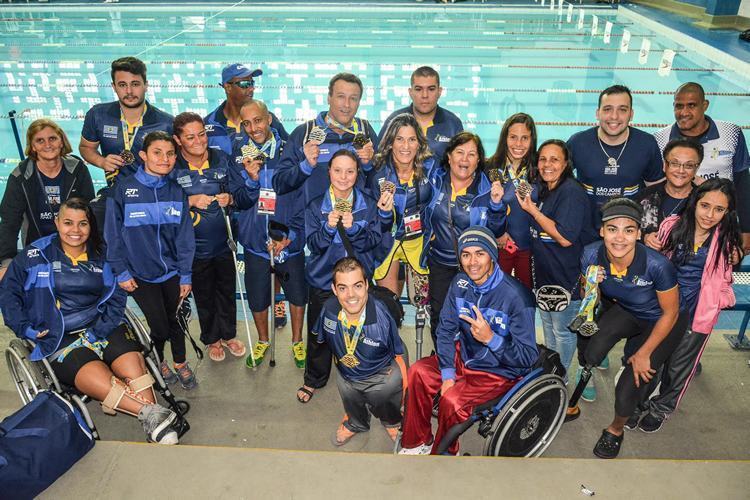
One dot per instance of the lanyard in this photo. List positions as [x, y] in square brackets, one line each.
[269, 147]
[351, 333]
[354, 129]
[514, 178]
[128, 139]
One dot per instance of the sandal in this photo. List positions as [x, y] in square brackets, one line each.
[216, 352]
[572, 414]
[342, 435]
[392, 433]
[608, 445]
[305, 392]
[236, 347]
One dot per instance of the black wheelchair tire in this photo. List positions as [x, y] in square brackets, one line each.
[26, 374]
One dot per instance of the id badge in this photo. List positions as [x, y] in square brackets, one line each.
[267, 202]
[412, 225]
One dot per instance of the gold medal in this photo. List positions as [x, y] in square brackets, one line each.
[343, 205]
[495, 175]
[317, 134]
[387, 187]
[251, 152]
[349, 360]
[128, 158]
[523, 189]
[360, 140]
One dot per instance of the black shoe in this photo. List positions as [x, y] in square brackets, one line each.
[632, 423]
[572, 414]
[650, 423]
[608, 445]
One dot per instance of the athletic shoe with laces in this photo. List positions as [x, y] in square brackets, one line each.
[298, 351]
[157, 423]
[650, 423]
[259, 352]
[186, 376]
[632, 422]
[589, 393]
[422, 449]
[170, 377]
[279, 313]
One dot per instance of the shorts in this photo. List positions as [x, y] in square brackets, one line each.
[121, 341]
[291, 273]
[408, 252]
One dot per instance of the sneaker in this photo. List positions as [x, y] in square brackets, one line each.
[650, 423]
[259, 352]
[632, 422]
[589, 393]
[187, 377]
[279, 313]
[298, 350]
[422, 449]
[170, 377]
[157, 422]
[604, 365]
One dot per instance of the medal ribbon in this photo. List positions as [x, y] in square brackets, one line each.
[590, 294]
[97, 346]
[508, 175]
[350, 333]
[333, 198]
[353, 129]
[269, 147]
[127, 139]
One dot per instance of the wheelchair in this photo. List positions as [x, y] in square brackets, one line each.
[525, 420]
[32, 377]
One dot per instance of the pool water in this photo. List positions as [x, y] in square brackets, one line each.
[493, 62]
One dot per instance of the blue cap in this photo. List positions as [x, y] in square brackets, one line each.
[478, 236]
[237, 70]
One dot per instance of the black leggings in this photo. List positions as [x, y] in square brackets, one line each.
[318, 363]
[159, 301]
[214, 286]
[615, 324]
[439, 279]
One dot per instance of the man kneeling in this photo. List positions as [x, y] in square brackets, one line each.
[364, 341]
[485, 341]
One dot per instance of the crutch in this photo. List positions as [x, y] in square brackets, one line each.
[240, 283]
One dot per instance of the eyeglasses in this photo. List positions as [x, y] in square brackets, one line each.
[688, 165]
[243, 84]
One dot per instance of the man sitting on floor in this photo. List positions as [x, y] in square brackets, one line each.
[485, 343]
[364, 341]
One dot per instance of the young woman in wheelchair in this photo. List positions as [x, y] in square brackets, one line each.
[485, 344]
[60, 294]
[640, 300]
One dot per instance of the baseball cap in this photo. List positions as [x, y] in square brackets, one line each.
[237, 70]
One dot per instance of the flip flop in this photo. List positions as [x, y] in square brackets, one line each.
[216, 352]
[236, 347]
[348, 435]
[307, 391]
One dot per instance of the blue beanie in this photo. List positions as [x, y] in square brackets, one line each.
[478, 236]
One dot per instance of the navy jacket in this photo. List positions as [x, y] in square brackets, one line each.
[28, 296]
[148, 230]
[509, 309]
[379, 342]
[444, 126]
[224, 137]
[221, 176]
[370, 236]
[294, 171]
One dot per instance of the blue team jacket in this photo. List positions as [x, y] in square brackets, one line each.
[221, 176]
[223, 137]
[148, 230]
[294, 171]
[482, 211]
[29, 305]
[509, 309]
[379, 342]
[370, 236]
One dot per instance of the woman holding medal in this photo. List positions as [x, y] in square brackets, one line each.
[403, 166]
[513, 163]
[343, 216]
[212, 183]
[640, 301]
[561, 226]
[462, 196]
[151, 245]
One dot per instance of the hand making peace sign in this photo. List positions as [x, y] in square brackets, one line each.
[480, 329]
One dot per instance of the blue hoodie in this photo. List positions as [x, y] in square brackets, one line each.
[370, 236]
[29, 297]
[148, 230]
[509, 309]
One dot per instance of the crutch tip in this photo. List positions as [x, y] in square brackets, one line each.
[272, 363]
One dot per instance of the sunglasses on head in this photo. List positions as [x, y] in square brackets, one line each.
[243, 84]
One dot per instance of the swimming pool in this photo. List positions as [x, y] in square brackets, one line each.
[493, 61]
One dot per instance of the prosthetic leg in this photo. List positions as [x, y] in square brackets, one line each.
[573, 411]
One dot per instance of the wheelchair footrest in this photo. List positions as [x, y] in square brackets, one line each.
[485, 426]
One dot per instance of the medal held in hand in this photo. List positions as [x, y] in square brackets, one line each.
[585, 321]
[523, 189]
[387, 187]
[360, 140]
[251, 151]
[128, 158]
[317, 134]
[343, 205]
[495, 175]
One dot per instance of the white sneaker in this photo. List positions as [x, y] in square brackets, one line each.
[422, 449]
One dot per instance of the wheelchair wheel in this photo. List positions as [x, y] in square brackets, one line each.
[530, 420]
[26, 374]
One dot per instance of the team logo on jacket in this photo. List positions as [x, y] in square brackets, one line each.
[33, 252]
[209, 127]
[370, 342]
[638, 281]
[442, 138]
[110, 132]
[131, 192]
[329, 325]
[173, 212]
[462, 283]
[57, 266]
[184, 181]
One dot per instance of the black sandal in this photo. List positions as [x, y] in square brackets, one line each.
[572, 414]
[608, 445]
[309, 393]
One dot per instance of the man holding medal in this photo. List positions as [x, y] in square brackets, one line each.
[364, 341]
[614, 159]
[485, 343]
[113, 132]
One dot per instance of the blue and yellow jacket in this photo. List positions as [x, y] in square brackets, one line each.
[220, 176]
[509, 309]
[378, 345]
[223, 136]
[148, 230]
[289, 210]
[294, 171]
[482, 210]
[29, 303]
[370, 236]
